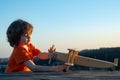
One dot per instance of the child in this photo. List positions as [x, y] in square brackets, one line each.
[21, 59]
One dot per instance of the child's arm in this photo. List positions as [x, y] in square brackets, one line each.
[30, 64]
[43, 56]
[47, 55]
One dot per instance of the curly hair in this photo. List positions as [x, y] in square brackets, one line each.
[16, 29]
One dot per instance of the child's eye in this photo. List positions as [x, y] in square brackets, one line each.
[26, 35]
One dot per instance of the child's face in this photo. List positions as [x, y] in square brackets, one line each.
[25, 39]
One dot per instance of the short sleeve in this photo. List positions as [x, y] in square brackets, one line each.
[35, 51]
[21, 55]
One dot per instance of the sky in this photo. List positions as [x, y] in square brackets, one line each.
[81, 24]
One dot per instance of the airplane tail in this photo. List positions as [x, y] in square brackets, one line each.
[116, 61]
[116, 64]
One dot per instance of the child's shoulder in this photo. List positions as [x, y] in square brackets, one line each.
[22, 47]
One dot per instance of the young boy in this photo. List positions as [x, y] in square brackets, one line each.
[21, 59]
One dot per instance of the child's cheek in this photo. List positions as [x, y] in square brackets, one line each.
[24, 40]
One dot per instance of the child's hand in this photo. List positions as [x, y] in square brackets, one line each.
[52, 49]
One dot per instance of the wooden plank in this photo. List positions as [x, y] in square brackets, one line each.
[60, 56]
[91, 62]
[85, 61]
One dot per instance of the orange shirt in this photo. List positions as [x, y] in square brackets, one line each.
[19, 55]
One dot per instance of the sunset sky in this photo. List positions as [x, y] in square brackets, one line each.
[82, 24]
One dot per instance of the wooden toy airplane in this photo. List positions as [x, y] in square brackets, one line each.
[72, 58]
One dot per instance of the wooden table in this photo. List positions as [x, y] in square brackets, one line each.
[71, 75]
